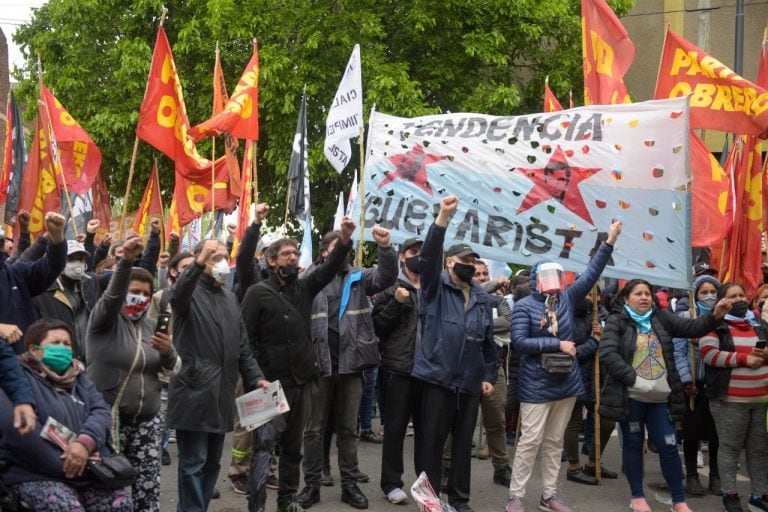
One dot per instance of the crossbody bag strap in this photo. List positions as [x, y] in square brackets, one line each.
[119, 397]
[290, 306]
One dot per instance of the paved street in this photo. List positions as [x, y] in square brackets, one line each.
[612, 496]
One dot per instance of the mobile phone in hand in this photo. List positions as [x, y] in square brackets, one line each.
[163, 321]
[760, 344]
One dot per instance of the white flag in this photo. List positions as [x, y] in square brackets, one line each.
[345, 117]
[337, 218]
[305, 253]
[352, 197]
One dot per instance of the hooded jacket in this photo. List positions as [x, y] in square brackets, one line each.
[536, 384]
[457, 350]
[111, 345]
[358, 345]
[396, 326]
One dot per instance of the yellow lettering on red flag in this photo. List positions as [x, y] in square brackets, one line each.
[607, 53]
[720, 99]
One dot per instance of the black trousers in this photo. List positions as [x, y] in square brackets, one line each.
[400, 393]
[442, 411]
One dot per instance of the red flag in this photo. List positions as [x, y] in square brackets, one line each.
[551, 104]
[711, 220]
[163, 121]
[79, 157]
[192, 193]
[240, 116]
[174, 226]
[607, 53]
[721, 99]
[151, 203]
[102, 206]
[39, 193]
[5, 176]
[220, 99]
[246, 196]
[742, 262]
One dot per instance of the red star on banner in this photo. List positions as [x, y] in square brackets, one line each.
[558, 181]
[412, 166]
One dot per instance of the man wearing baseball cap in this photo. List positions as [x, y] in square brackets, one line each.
[455, 361]
[396, 321]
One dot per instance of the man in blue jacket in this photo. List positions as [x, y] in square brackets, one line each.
[456, 359]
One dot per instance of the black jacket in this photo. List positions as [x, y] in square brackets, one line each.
[396, 326]
[279, 330]
[54, 303]
[210, 337]
[716, 378]
[248, 271]
[617, 348]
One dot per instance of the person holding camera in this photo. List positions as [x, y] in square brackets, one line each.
[736, 375]
[550, 378]
[126, 355]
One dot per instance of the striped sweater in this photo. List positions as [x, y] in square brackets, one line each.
[746, 384]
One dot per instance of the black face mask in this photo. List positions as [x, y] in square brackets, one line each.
[412, 263]
[288, 273]
[464, 272]
[739, 308]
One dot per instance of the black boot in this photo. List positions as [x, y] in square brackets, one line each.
[351, 494]
[309, 496]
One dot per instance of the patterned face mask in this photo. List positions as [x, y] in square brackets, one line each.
[135, 306]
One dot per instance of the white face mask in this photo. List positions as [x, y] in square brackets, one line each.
[75, 270]
[220, 271]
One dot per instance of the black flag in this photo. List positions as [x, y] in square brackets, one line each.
[17, 162]
[298, 169]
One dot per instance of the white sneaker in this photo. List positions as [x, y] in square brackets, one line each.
[397, 496]
[700, 460]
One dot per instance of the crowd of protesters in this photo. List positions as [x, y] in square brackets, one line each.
[111, 348]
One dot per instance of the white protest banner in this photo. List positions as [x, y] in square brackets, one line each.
[345, 117]
[542, 186]
[259, 406]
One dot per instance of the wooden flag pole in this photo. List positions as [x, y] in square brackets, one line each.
[213, 167]
[132, 168]
[254, 171]
[287, 204]
[55, 154]
[596, 438]
[361, 199]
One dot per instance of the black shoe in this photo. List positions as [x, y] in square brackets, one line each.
[240, 484]
[693, 486]
[502, 476]
[166, 459]
[326, 480]
[216, 494]
[715, 486]
[580, 477]
[308, 496]
[369, 436]
[352, 495]
[732, 503]
[272, 482]
[361, 477]
[758, 503]
[604, 473]
[462, 507]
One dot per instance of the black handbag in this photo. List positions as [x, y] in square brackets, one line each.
[113, 471]
[558, 363]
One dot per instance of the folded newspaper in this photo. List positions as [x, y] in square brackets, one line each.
[260, 406]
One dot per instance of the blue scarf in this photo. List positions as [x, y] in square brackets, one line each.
[703, 310]
[643, 322]
[749, 318]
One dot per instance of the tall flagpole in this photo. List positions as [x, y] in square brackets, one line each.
[213, 161]
[132, 168]
[55, 154]
[361, 198]
[254, 166]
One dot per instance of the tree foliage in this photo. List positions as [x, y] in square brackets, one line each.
[418, 57]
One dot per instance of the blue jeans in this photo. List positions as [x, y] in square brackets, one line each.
[654, 417]
[199, 456]
[366, 404]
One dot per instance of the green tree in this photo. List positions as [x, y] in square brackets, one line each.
[418, 57]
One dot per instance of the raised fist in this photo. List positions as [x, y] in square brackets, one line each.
[132, 248]
[262, 209]
[54, 225]
[93, 225]
[449, 204]
[347, 229]
[381, 235]
[155, 224]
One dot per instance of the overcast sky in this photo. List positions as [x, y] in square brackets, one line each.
[12, 14]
